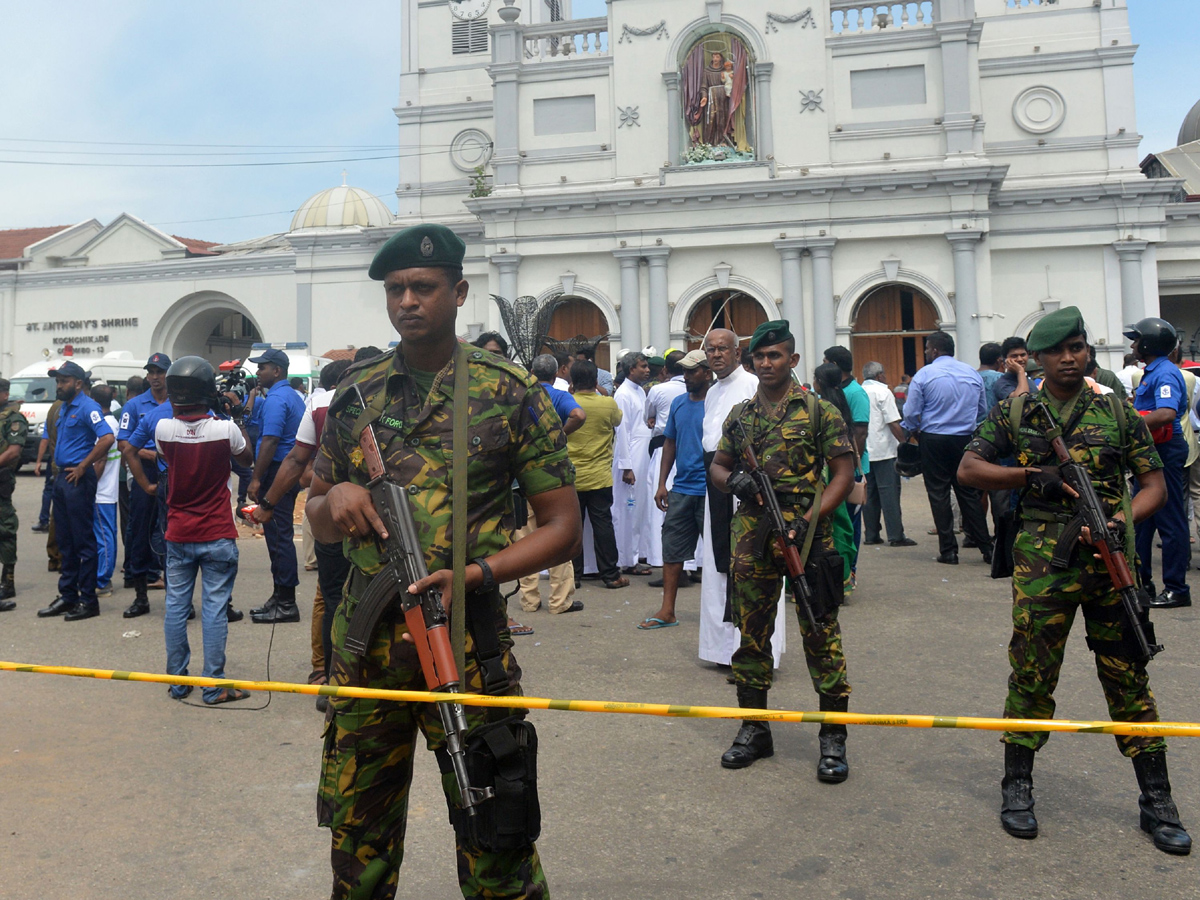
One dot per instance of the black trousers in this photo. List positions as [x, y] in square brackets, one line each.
[597, 506]
[940, 456]
[332, 571]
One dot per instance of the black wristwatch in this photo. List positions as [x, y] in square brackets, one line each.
[489, 580]
[266, 504]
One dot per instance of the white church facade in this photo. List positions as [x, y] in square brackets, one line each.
[870, 172]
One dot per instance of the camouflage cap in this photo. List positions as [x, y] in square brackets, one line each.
[433, 246]
[769, 333]
[1052, 330]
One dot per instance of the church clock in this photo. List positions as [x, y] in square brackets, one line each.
[467, 10]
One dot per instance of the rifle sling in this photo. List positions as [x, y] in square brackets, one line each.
[459, 491]
[814, 414]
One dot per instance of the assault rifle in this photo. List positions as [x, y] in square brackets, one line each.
[424, 614]
[787, 547]
[1089, 513]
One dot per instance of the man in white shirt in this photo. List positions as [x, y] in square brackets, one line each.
[108, 473]
[630, 463]
[883, 482]
[658, 408]
[1131, 374]
[718, 635]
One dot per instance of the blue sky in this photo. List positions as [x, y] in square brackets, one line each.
[301, 75]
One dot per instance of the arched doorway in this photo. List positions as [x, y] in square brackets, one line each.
[890, 328]
[576, 316]
[209, 324]
[735, 310]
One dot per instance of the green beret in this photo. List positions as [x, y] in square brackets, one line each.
[418, 247]
[769, 333]
[657, 361]
[1052, 330]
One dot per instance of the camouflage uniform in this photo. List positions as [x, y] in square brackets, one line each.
[369, 745]
[13, 429]
[786, 450]
[1045, 600]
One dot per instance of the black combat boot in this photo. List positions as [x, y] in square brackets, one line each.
[285, 609]
[1159, 818]
[833, 768]
[753, 739]
[141, 603]
[267, 608]
[1016, 790]
[8, 589]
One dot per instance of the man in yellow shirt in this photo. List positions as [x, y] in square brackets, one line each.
[590, 449]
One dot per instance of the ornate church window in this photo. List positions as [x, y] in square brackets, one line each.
[718, 101]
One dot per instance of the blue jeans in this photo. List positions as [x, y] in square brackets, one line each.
[106, 544]
[217, 563]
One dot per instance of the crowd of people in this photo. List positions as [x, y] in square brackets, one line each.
[723, 466]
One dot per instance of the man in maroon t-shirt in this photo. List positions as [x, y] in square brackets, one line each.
[201, 537]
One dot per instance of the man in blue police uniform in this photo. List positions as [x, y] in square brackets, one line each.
[83, 439]
[278, 415]
[1161, 398]
[144, 566]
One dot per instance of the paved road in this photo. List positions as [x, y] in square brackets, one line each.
[113, 792]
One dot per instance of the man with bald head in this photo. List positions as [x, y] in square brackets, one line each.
[718, 635]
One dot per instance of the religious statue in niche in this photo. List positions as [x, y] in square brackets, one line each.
[717, 105]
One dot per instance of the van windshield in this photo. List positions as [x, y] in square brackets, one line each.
[33, 390]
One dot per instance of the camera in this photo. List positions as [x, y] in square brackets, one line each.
[231, 380]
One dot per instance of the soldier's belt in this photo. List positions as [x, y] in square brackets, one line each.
[1138, 729]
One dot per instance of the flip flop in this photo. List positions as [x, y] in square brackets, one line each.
[520, 630]
[645, 625]
[229, 695]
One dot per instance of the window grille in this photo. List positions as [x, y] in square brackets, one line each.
[469, 37]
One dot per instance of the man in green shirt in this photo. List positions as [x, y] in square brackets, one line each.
[590, 449]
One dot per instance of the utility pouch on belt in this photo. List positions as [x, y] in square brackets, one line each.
[824, 571]
[501, 756]
[1127, 647]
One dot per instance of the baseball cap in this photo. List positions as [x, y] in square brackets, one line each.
[158, 361]
[68, 370]
[272, 355]
[695, 358]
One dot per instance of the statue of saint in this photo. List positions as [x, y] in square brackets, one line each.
[716, 93]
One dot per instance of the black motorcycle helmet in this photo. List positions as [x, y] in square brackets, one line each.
[191, 381]
[1157, 336]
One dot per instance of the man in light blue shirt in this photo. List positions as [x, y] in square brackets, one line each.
[946, 400]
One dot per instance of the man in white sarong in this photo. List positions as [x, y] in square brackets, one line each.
[719, 638]
[658, 407]
[630, 464]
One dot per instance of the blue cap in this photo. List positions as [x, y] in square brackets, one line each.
[158, 361]
[68, 370]
[271, 355]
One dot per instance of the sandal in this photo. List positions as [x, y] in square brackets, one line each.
[520, 630]
[317, 676]
[228, 695]
[639, 569]
[652, 622]
[617, 583]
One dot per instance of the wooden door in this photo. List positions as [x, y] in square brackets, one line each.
[890, 328]
[576, 316]
[724, 309]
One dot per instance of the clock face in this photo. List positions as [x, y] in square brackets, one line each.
[469, 9]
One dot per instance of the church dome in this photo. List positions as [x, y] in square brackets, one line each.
[342, 207]
[1190, 131]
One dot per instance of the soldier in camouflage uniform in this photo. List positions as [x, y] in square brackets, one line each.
[1110, 439]
[13, 429]
[514, 433]
[793, 451]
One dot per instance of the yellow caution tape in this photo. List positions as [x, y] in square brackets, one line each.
[1146, 729]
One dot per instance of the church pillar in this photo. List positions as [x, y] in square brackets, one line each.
[674, 119]
[966, 294]
[507, 265]
[660, 299]
[631, 301]
[505, 71]
[762, 90]
[824, 321]
[1133, 294]
[793, 304]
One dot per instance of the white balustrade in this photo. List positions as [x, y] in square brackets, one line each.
[856, 17]
[573, 38]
